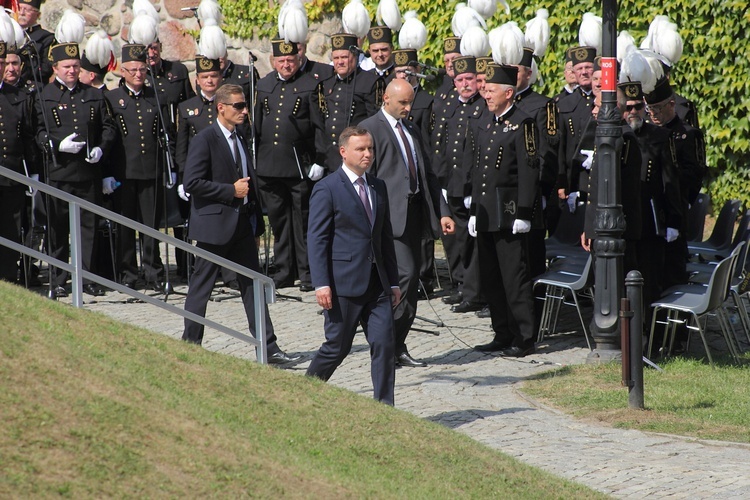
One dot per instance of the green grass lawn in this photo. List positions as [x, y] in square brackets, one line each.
[688, 398]
[94, 408]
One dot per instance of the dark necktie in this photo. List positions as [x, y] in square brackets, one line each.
[236, 153]
[363, 198]
[409, 159]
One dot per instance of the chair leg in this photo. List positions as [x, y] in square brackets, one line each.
[651, 332]
[742, 313]
[580, 316]
[703, 338]
[727, 331]
[544, 320]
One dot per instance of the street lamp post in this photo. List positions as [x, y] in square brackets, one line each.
[609, 224]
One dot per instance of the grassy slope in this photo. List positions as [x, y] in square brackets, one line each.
[91, 407]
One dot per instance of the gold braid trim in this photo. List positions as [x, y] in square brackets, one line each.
[529, 137]
[551, 118]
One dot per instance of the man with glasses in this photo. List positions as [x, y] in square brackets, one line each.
[135, 173]
[691, 167]
[225, 215]
[171, 78]
[38, 50]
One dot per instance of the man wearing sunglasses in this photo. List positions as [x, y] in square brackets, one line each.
[225, 216]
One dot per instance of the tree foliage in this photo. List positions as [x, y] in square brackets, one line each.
[713, 71]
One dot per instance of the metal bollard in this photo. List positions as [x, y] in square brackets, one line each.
[634, 291]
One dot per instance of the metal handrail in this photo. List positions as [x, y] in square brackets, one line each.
[263, 286]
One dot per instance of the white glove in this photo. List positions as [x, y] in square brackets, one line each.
[182, 194]
[572, 204]
[467, 202]
[473, 226]
[68, 145]
[96, 155]
[444, 192]
[521, 226]
[589, 158]
[109, 184]
[32, 191]
[316, 172]
[672, 234]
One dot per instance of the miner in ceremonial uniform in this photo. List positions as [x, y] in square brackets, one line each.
[171, 78]
[238, 74]
[448, 144]
[97, 59]
[482, 63]
[287, 160]
[504, 166]
[345, 99]
[380, 62]
[691, 167]
[451, 50]
[38, 51]
[136, 164]
[19, 155]
[80, 133]
[316, 69]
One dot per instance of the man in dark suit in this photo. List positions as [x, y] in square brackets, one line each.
[353, 263]
[225, 216]
[417, 209]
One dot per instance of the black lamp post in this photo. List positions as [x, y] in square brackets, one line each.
[609, 247]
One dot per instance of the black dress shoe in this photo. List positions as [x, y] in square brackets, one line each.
[404, 359]
[517, 352]
[484, 313]
[493, 346]
[156, 286]
[93, 289]
[306, 287]
[279, 358]
[58, 292]
[232, 284]
[454, 298]
[282, 284]
[465, 307]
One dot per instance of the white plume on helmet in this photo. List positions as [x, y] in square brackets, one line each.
[355, 18]
[625, 43]
[212, 43]
[668, 43]
[143, 30]
[100, 50]
[71, 28]
[635, 67]
[413, 34]
[464, 18]
[293, 25]
[145, 7]
[389, 14]
[656, 62]
[536, 36]
[653, 28]
[11, 32]
[209, 12]
[487, 8]
[590, 32]
[475, 42]
[506, 42]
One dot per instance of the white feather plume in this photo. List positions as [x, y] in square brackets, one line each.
[413, 34]
[295, 26]
[389, 14]
[668, 43]
[208, 11]
[355, 18]
[475, 42]
[590, 32]
[145, 7]
[653, 28]
[625, 43]
[99, 49]
[286, 9]
[536, 36]
[485, 8]
[9, 31]
[655, 61]
[212, 42]
[506, 42]
[143, 30]
[71, 28]
[636, 68]
[464, 18]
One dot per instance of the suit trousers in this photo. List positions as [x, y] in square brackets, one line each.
[373, 310]
[287, 201]
[507, 286]
[408, 248]
[12, 204]
[60, 226]
[242, 250]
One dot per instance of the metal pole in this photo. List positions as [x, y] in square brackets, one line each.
[609, 222]
[76, 279]
[634, 289]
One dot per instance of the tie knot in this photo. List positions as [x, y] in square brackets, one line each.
[233, 134]
[398, 124]
[360, 182]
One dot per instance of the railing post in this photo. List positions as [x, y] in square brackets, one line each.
[259, 298]
[76, 278]
[634, 291]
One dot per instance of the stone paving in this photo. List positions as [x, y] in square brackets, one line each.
[477, 394]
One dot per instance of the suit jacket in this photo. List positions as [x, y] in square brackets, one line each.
[209, 177]
[341, 245]
[389, 164]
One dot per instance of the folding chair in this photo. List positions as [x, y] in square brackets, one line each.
[697, 218]
[718, 245]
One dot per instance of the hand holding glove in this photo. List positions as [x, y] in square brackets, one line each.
[467, 202]
[473, 226]
[589, 158]
[316, 172]
[572, 201]
[96, 155]
[109, 184]
[444, 192]
[68, 145]
[672, 234]
[182, 194]
[521, 226]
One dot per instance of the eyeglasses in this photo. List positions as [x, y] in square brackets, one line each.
[135, 70]
[239, 106]
[657, 108]
[637, 107]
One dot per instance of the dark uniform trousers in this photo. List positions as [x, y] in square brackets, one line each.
[12, 199]
[466, 250]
